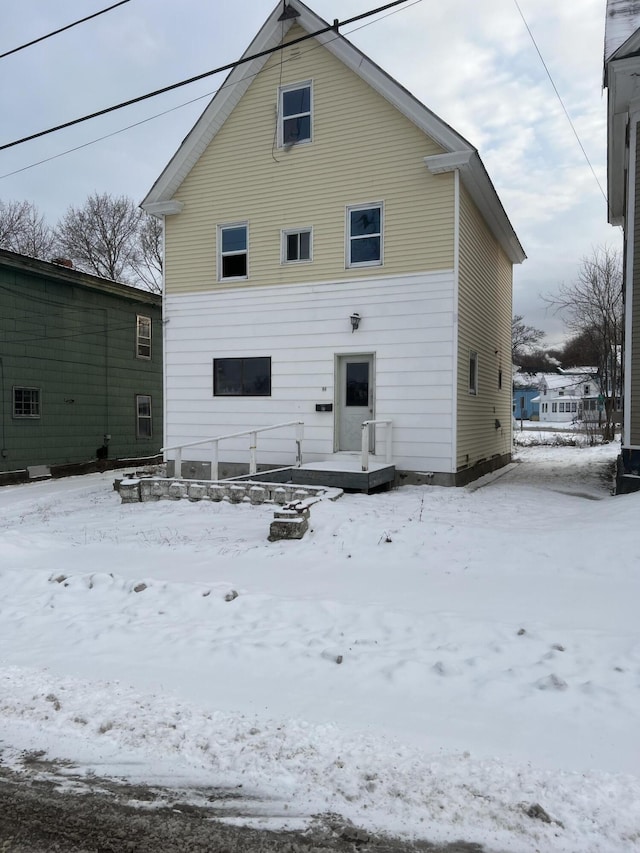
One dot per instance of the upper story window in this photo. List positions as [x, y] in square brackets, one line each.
[295, 114]
[587, 389]
[296, 246]
[364, 236]
[233, 251]
[26, 402]
[143, 336]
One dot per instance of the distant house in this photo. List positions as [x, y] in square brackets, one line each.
[570, 395]
[622, 80]
[80, 369]
[525, 396]
[335, 253]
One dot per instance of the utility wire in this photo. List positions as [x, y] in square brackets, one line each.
[566, 112]
[229, 66]
[177, 107]
[62, 29]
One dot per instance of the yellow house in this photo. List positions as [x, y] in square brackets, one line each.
[334, 253]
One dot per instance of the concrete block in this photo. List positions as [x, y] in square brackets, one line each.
[160, 489]
[258, 494]
[280, 495]
[217, 492]
[197, 491]
[177, 491]
[130, 491]
[237, 494]
[288, 528]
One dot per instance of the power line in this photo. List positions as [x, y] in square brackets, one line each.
[566, 112]
[62, 29]
[177, 107]
[229, 66]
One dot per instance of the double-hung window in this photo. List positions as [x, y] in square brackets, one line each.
[233, 251]
[295, 114]
[364, 235]
[143, 336]
[144, 426]
[296, 246]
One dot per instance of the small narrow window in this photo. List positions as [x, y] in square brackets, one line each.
[296, 246]
[144, 427]
[587, 389]
[554, 407]
[500, 381]
[26, 402]
[562, 407]
[242, 377]
[295, 114]
[574, 407]
[143, 336]
[473, 372]
[233, 251]
[364, 236]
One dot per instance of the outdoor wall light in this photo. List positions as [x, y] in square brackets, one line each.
[355, 321]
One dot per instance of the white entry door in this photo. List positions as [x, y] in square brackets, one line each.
[355, 400]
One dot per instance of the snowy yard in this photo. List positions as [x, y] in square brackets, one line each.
[488, 639]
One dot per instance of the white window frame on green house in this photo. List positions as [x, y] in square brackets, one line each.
[290, 117]
[353, 240]
[25, 402]
[143, 336]
[296, 239]
[223, 253]
[143, 417]
[473, 373]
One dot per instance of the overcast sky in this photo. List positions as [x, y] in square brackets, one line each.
[470, 61]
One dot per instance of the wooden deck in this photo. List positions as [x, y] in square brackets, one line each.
[340, 472]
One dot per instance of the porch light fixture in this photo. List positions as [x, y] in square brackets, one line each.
[355, 321]
[288, 13]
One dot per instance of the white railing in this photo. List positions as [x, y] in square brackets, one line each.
[366, 441]
[253, 447]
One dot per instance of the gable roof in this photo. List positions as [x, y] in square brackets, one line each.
[621, 36]
[460, 153]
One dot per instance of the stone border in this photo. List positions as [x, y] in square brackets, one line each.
[291, 521]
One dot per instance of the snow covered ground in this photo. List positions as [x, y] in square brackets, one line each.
[488, 639]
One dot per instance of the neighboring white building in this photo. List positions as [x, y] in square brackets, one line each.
[571, 395]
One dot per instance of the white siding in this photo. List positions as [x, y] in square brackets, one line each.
[407, 322]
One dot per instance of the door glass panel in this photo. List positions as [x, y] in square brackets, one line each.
[357, 390]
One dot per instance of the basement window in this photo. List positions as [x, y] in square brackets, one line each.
[26, 402]
[242, 377]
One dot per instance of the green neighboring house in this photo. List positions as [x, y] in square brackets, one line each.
[80, 369]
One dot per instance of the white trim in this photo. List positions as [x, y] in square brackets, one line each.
[219, 229]
[164, 208]
[286, 232]
[348, 264]
[164, 322]
[631, 446]
[628, 297]
[281, 118]
[456, 330]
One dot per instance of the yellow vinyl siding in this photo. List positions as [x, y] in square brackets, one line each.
[363, 150]
[484, 326]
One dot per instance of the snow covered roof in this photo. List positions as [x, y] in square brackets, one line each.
[621, 22]
[526, 380]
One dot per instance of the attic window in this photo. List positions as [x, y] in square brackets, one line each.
[295, 114]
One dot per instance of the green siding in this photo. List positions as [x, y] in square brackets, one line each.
[77, 345]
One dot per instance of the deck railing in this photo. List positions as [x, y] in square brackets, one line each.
[366, 441]
[253, 447]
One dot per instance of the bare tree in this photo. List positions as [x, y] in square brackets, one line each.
[24, 230]
[593, 305]
[101, 237]
[524, 338]
[147, 264]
